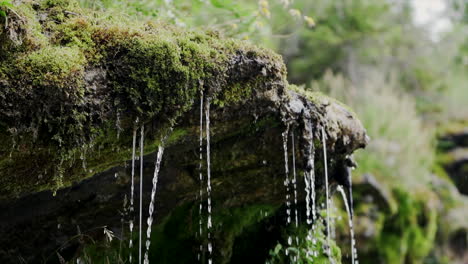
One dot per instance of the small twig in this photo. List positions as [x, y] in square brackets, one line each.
[6, 17]
[14, 12]
[73, 238]
[71, 13]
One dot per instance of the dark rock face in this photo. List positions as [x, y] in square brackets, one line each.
[247, 168]
[455, 147]
[458, 171]
[455, 140]
[459, 244]
[453, 156]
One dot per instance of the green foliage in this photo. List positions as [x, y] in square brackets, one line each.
[410, 233]
[341, 27]
[5, 4]
[396, 130]
[177, 233]
[313, 250]
[256, 20]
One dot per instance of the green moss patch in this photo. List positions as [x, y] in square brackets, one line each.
[70, 76]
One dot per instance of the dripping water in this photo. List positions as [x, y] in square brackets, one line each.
[312, 173]
[118, 125]
[132, 190]
[208, 176]
[141, 192]
[200, 176]
[309, 176]
[122, 222]
[307, 190]
[153, 194]
[287, 181]
[333, 211]
[294, 179]
[327, 196]
[354, 258]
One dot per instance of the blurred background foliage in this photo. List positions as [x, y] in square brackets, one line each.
[406, 79]
[350, 37]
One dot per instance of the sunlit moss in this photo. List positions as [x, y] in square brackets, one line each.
[53, 66]
[153, 72]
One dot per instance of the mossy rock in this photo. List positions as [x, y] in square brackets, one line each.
[71, 78]
[75, 86]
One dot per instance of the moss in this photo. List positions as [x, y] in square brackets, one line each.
[231, 223]
[57, 9]
[76, 32]
[24, 31]
[152, 71]
[53, 66]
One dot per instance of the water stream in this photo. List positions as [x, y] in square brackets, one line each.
[200, 176]
[296, 217]
[287, 182]
[309, 174]
[208, 177]
[132, 191]
[142, 132]
[153, 194]
[327, 195]
[312, 174]
[354, 258]
[309, 181]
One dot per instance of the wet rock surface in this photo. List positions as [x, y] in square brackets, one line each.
[247, 168]
[70, 104]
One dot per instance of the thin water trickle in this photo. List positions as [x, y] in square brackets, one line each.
[132, 190]
[124, 214]
[327, 195]
[208, 176]
[200, 175]
[309, 175]
[141, 191]
[118, 125]
[307, 190]
[333, 211]
[296, 218]
[354, 258]
[153, 194]
[286, 173]
[312, 173]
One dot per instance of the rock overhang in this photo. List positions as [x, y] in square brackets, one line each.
[69, 78]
